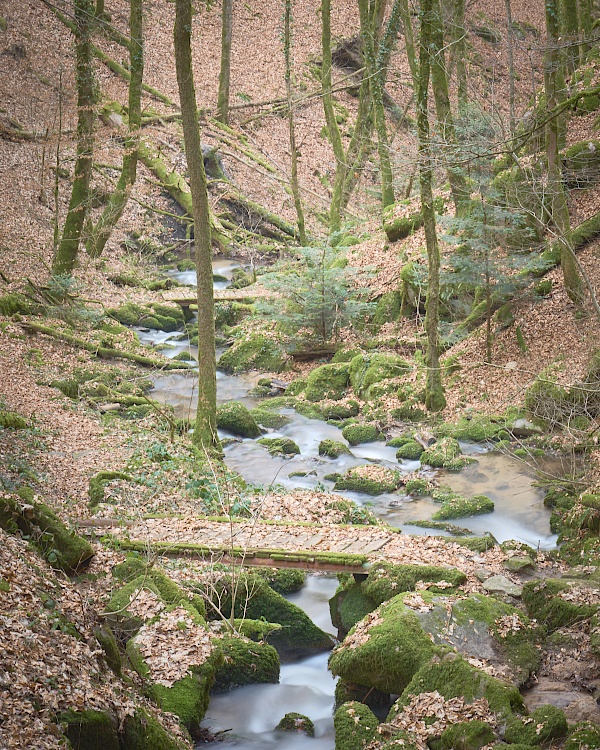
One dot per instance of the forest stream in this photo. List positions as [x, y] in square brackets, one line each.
[249, 714]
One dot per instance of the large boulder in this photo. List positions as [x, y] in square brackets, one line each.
[369, 373]
[235, 418]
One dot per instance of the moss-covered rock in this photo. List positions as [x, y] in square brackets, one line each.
[253, 352]
[341, 410]
[410, 451]
[417, 486]
[15, 304]
[386, 580]
[368, 371]
[462, 507]
[361, 433]
[246, 662]
[548, 404]
[401, 219]
[62, 548]
[156, 315]
[327, 382]
[388, 308]
[584, 736]
[106, 638]
[477, 429]
[345, 355]
[355, 726]
[280, 446]
[467, 735]
[545, 724]
[349, 605]
[453, 677]
[269, 418]
[283, 580]
[333, 448]
[231, 313]
[294, 722]
[90, 730]
[445, 454]
[143, 732]
[371, 480]
[581, 163]
[98, 482]
[12, 421]
[235, 418]
[560, 603]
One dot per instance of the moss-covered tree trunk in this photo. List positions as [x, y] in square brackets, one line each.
[205, 427]
[434, 391]
[441, 95]
[225, 72]
[511, 64]
[367, 32]
[553, 78]
[65, 257]
[586, 20]
[113, 211]
[409, 40]
[294, 184]
[569, 32]
[459, 52]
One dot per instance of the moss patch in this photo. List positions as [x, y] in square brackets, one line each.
[467, 735]
[294, 722]
[386, 580]
[445, 454]
[355, 726]
[90, 730]
[280, 446]
[410, 451]
[545, 724]
[143, 732]
[358, 480]
[368, 371]
[254, 352]
[361, 433]
[333, 448]
[235, 418]
[245, 663]
[269, 418]
[327, 382]
[462, 507]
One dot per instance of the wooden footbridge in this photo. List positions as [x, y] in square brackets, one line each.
[275, 544]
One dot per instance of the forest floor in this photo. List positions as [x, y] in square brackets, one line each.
[37, 94]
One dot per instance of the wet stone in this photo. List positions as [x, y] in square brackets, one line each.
[502, 585]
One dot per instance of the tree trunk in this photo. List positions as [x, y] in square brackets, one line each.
[65, 256]
[586, 20]
[205, 427]
[367, 33]
[511, 66]
[459, 52]
[560, 212]
[118, 200]
[224, 75]
[434, 391]
[287, 52]
[409, 41]
[569, 31]
[441, 95]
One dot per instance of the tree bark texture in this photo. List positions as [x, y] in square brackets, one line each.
[205, 428]
[118, 200]
[434, 392]
[225, 72]
[65, 257]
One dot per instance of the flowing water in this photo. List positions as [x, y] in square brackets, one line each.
[249, 714]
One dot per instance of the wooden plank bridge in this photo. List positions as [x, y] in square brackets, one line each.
[308, 546]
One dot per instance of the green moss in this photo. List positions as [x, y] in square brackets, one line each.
[369, 370]
[361, 433]
[276, 446]
[462, 507]
[15, 304]
[445, 454]
[235, 418]
[106, 638]
[543, 288]
[399, 441]
[345, 355]
[13, 421]
[547, 403]
[417, 486]
[386, 580]
[354, 481]
[410, 451]
[283, 580]
[349, 605]
[388, 308]
[143, 732]
[231, 313]
[99, 481]
[294, 722]
[269, 418]
[245, 663]
[467, 735]
[584, 736]
[59, 546]
[90, 730]
[254, 352]
[478, 429]
[396, 648]
[545, 724]
[355, 726]
[544, 602]
[454, 677]
[475, 543]
[333, 448]
[400, 227]
[327, 382]
[340, 411]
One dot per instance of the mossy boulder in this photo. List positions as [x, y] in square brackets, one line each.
[98, 482]
[327, 382]
[341, 410]
[246, 662]
[388, 308]
[453, 677]
[410, 451]
[545, 724]
[386, 580]
[458, 506]
[236, 418]
[143, 732]
[361, 433]
[560, 603]
[231, 313]
[349, 605]
[106, 638]
[156, 315]
[283, 580]
[280, 446]
[15, 304]
[401, 219]
[384, 650]
[253, 352]
[355, 726]
[581, 164]
[445, 454]
[12, 421]
[90, 730]
[62, 548]
[477, 429]
[333, 448]
[345, 355]
[584, 736]
[547, 403]
[370, 480]
[368, 371]
[269, 418]
[467, 735]
[294, 722]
